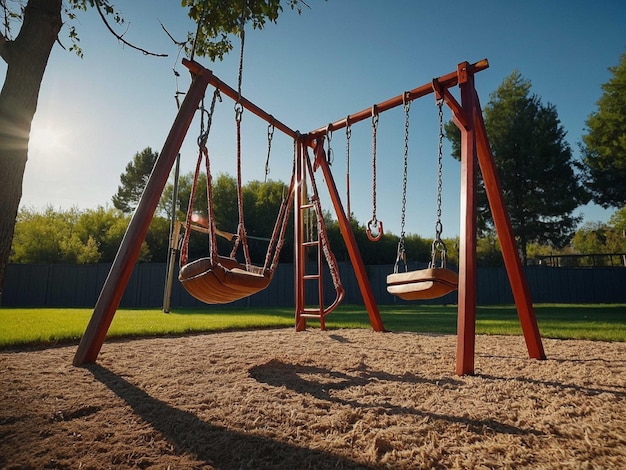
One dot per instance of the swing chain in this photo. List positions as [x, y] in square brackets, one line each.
[401, 249]
[330, 155]
[348, 135]
[270, 136]
[204, 133]
[438, 244]
[238, 105]
[374, 226]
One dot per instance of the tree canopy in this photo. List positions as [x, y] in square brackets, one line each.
[535, 163]
[604, 144]
[71, 236]
[27, 54]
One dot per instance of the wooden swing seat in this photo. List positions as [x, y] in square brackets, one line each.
[223, 281]
[422, 284]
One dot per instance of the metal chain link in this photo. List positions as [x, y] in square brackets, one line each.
[407, 107]
[204, 133]
[348, 135]
[374, 131]
[401, 249]
[438, 244]
[330, 155]
[438, 224]
[270, 136]
[374, 226]
[238, 105]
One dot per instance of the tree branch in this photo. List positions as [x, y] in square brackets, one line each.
[119, 37]
[177, 43]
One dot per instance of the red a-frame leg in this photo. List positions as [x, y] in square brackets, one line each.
[475, 148]
[128, 252]
[514, 269]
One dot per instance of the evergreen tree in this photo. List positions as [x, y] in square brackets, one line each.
[604, 145]
[541, 189]
[134, 180]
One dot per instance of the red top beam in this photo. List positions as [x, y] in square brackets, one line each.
[196, 68]
[445, 82]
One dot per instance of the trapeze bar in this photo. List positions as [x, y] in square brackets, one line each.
[196, 68]
[445, 82]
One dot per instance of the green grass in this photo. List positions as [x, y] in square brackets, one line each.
[21, 327]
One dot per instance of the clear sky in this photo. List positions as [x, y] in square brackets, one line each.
[338, 58]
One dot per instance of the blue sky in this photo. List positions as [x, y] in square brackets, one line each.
[338, 58]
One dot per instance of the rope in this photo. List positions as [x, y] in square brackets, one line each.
[202, 153]
[333, 267]
[241, 229]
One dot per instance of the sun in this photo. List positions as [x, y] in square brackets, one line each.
[48, 138]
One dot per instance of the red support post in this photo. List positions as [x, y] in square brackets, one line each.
[353, 250]
[466, 321]
[514, 269]
[128, 252]
[298, 226]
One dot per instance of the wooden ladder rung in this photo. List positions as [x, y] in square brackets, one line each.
[311, 315]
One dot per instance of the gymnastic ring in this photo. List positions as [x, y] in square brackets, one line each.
[377, 226]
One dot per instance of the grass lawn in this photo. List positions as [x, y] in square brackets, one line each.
[40, 327]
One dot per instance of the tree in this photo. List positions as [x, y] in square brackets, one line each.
[27, 55]
[541, 189]
[80, 237]
[134, 180]
[50, 237]
[261, 202]
[618, 221]
[604, 146]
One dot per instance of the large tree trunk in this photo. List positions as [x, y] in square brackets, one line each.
[26, 57]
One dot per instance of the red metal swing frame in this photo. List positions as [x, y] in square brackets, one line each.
[475, 153]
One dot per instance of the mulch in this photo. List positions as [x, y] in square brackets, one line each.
[340, 399]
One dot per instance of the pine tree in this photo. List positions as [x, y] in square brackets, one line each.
[604, 146]
[541, 189]
[134, 180]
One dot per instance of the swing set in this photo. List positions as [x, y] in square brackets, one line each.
[217, 279]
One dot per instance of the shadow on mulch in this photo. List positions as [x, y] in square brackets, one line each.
[302, 379]
[216, 446]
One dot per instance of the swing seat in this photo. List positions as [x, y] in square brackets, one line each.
[223, 281]
[422, 284]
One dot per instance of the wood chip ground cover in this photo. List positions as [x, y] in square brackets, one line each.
[347, 399]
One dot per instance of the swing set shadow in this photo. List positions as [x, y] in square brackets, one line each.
[475, 154]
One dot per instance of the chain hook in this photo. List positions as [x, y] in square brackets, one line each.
[374, 229]
[438, 247]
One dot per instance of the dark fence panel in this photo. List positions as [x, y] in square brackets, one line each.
[28, 285]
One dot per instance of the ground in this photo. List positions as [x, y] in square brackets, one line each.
[277, 399]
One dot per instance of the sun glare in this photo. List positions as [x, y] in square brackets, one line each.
[48, 139]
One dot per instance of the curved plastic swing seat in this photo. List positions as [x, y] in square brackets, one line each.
[422, 284]
[223, 281]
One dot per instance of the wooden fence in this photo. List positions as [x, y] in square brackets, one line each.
[62, 285]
